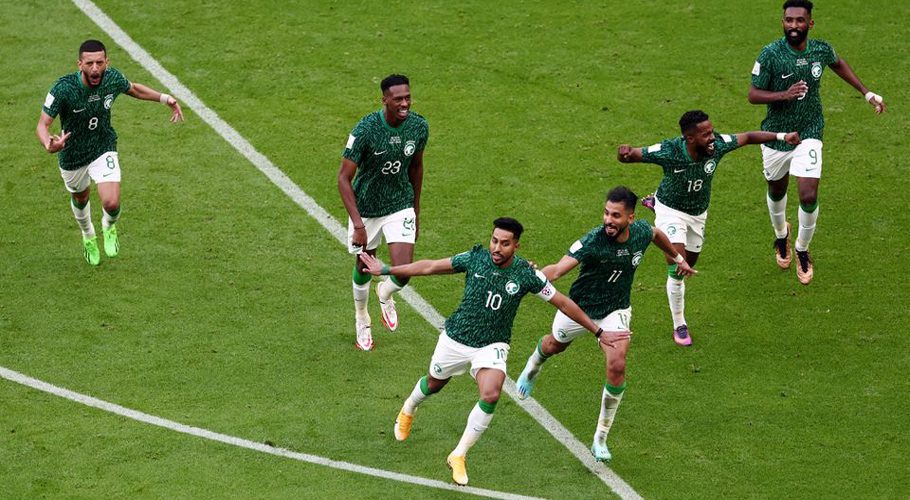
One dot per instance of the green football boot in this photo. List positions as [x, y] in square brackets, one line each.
[90, 250]
[111, 243]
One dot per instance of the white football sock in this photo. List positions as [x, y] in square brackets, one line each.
[609, 403]
[417, 396]
[108, 220]
[676, 296]
[806, 228]
[778, 211]
[478, 421]
[535, 362]
[386, 288]
[361, 301]
[84, 219]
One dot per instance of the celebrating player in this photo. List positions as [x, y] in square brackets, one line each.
[477, 334]
[385, 151]
[609, 254]
[681, 202]
[787, 77]
[87, 142]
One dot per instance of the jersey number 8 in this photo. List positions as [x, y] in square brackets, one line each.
[93, 123]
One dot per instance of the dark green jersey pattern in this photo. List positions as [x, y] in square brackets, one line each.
[778, 67]
[491, 297]
[383, 156]
[86, 113]
[604, 283]
[686, 185]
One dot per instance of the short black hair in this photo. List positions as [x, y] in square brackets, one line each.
[806, 4]
[92, 46]
[624, 195]
[691, 119]
[511, 225]
[392, 80]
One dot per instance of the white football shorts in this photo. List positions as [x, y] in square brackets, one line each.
[681, 227]
[453, 358]
[565, 329]
[105, 168]
[399, 227]
[804, 161]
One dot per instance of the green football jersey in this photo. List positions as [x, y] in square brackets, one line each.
[777, 68]
[686, 185]
[86, 113]
[383, 156]
[491, 297]
[604, 282]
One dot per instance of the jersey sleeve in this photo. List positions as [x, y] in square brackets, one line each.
[581, 248]
[462, 262]
[657, 153]
[725, 143]
[53, 100]
[424, 137]
[761, 71]
[121, 84]
[829, 57]
[546, 291]
[357, 143]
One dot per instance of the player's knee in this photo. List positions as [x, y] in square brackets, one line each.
[551, 346]
[491, 395]
[616, 368]
[111, 205]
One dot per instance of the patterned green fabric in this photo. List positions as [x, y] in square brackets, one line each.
[777, 68]
[491, 297]
[86, 113]
[686, 185]
[604, 282]
[383, 156]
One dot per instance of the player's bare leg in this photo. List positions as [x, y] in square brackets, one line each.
[109, 192]
[777, 209]
[399, 253]
[676, 296]
[808, 216]
[611, 396]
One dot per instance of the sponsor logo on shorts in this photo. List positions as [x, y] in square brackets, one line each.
[511, 288]
[409, 148]
[437, 369]
[561, 333]
[408, 223]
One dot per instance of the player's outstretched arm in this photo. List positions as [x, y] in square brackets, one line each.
[571, 309]
[555, 271]
[761, 96]
[140, 91]
[662, 242]
[628, 154]
[761, 137]
[419, 268]
[52, 143]
[846, 73]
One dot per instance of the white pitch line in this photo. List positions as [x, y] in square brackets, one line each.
[25, 380]
[293, 191]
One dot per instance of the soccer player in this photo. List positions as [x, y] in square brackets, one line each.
[379, 180]
[787, 77]
[87, 142]
[681, 201]
[477, 334]
[609, 254]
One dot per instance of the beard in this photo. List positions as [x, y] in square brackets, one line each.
[795, 36]
[612, 237]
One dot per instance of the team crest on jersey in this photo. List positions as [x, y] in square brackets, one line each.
[409, 148]
[816, 70]
[636, 259]
[108, 100]
[511, 288]
[710, 166]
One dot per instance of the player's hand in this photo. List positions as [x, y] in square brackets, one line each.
[57, 142]
[792, 138]
[176, 112]
[684, 269]
[878, 103]
[796, 91]
[373, 265]
[359, 239]
[624, 152]
[610, 339]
